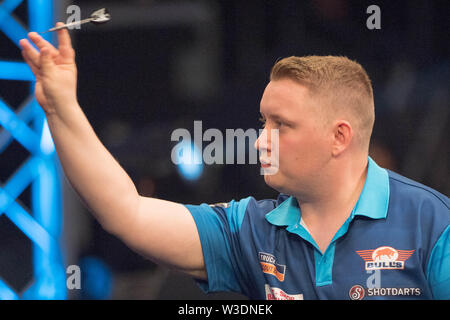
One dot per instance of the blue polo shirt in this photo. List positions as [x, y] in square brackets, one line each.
[394, 245]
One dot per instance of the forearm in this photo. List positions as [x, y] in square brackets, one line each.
[93, 172]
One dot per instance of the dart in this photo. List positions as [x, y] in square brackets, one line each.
[96, 17]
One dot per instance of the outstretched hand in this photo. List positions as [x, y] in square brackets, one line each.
[55, 70]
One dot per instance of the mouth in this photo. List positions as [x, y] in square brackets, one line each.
[264, 164]
[268, 168]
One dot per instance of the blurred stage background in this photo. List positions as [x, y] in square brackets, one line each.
[160, 65]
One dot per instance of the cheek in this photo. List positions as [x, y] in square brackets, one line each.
[299, 150]
[291, 155]
[293, 146]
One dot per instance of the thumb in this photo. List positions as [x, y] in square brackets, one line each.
[47, 63]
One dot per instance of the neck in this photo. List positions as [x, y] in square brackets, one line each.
[337, 193]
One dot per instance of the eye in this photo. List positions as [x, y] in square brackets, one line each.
[263, 120]
[278, 124]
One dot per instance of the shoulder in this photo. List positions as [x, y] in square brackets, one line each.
[233, 213]
[413, 193]
[250, 205]
[249, 211]
[418, 207]
[264, 206]
[417, 188]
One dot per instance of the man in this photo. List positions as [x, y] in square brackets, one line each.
[342, 227]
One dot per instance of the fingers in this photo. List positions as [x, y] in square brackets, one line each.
[34, 67]
[34, 58]
[41, 43]
[31, 53]
[64, 43]
[47, 63]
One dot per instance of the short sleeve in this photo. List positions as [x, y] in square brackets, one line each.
[218, 227]
[438, 270]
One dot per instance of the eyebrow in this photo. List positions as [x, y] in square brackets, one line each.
[274, 116]
[278, 117]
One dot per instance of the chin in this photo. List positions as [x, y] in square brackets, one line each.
[274, 182]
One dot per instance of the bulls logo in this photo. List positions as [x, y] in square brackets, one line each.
[384, 258]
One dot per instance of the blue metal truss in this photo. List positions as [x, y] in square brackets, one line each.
[42, 223]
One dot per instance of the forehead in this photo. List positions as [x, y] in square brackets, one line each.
[284, 96]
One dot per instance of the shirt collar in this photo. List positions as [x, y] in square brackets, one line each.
[373, 201]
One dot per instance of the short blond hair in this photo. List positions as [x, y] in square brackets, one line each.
[340, 83]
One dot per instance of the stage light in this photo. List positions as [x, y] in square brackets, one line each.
[96, 280]
[189, 160]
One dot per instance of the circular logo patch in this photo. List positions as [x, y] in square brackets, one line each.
[356, 292]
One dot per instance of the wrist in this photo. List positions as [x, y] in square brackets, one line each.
[64, 112]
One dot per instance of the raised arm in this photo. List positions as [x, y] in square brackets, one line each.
[162, 231]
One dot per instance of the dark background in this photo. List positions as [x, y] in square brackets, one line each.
[160, 65]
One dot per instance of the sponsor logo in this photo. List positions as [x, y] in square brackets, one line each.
[385, 258]
[278, 294]
[269, 265]
[357, 292]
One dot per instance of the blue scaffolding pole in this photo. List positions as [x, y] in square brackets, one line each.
[42, 223]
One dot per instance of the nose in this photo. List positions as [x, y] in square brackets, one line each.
[262, 142]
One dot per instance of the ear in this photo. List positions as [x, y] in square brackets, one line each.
[342, 136]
